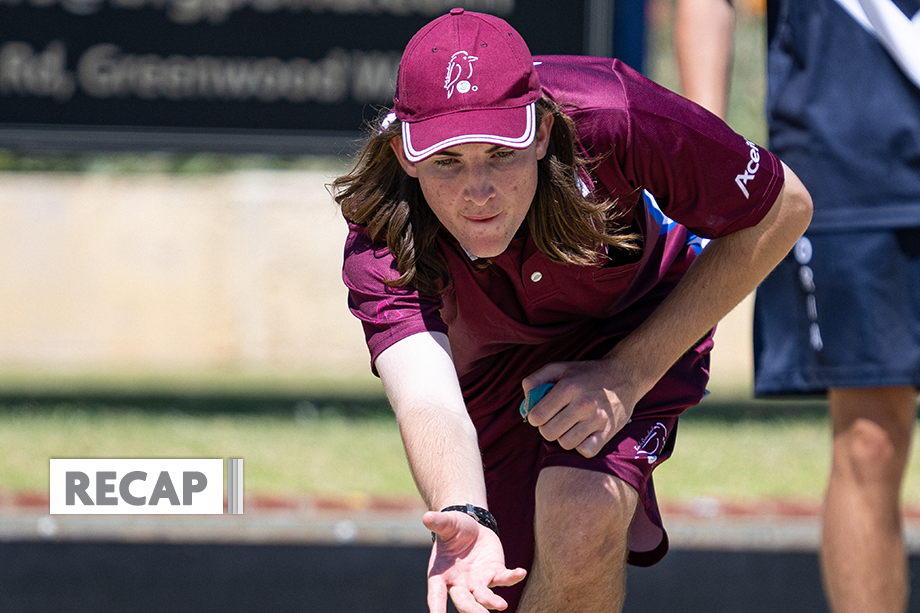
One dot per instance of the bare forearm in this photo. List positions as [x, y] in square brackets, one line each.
[438, 435]
[703, 42]
[443, 456]
[726, 271]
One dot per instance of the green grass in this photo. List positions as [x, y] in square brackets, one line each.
[744, 450]
[302, 452]
[748, 460]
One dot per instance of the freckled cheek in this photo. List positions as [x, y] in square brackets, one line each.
[522, 191]
[442, 204]
[440, 199]
[514, 187]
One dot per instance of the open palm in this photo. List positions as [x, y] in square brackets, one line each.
[467, 560]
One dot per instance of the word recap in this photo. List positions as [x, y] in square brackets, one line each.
[135, 486]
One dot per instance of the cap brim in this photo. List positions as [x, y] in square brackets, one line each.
[514, 128]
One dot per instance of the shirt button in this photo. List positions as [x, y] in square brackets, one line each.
[536, 276]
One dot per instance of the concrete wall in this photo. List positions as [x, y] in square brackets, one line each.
[236, 272]
[239, 271]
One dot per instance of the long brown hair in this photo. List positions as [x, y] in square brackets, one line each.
[567, 226]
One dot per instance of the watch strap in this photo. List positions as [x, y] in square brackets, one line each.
[478, 513]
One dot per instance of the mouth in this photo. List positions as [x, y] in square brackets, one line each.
[482, 218]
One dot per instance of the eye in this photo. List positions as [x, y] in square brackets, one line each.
[505, 153]
[444, 162]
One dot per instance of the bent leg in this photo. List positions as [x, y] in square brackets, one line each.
[863, 560]
[581, 528]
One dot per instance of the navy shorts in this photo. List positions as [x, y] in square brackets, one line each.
[841, 310]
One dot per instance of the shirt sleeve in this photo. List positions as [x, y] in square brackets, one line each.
[704, 175]
[387, 314]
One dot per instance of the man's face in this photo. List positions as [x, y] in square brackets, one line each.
[480, 192]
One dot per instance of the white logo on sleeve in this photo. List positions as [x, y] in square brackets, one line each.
[459, 72]
[751, 170]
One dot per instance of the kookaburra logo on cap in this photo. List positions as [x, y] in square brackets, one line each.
[459, 71]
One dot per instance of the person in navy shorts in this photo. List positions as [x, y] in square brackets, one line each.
[841, 314]
[518, 221]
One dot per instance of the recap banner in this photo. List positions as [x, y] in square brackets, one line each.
[143, 486]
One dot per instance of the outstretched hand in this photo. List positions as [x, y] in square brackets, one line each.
[467, 560]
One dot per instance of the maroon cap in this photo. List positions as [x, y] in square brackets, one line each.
[466, 78]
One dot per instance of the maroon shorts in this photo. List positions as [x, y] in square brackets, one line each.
[514, 460]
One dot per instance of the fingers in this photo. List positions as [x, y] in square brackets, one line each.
[477, 601]
[445, 525]
[437, 522]
[490, 600]
[465, 564]
[548, 407]
[548, 374]
[587, 442]
[592, 445]
[437, 595]
[584, 435]
[508, 578]
[574, 416]
[572, 422]
[572, 398]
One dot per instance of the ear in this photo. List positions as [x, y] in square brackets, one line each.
[396, 145]
[543, 134]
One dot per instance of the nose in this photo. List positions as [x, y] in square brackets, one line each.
[480, 186]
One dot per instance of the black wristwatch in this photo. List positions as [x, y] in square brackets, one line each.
[478, 513]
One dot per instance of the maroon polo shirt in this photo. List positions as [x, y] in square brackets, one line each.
[678, 173]
[679, 176]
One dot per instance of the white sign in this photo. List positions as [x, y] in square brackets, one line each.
[137, 486]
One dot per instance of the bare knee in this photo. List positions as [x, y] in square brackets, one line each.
[872, 433]
[869, 444]
[582, 518]
[581, 525]
[868, 453]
